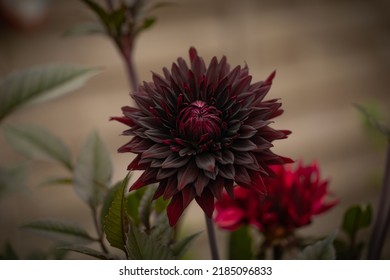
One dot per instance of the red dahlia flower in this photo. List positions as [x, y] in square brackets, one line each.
[294, 197]
[199, 129]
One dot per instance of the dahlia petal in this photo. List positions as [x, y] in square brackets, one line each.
[222, 92]
[188, 194]
[175, 161]
[156, 163]
[268, 81]
[242, 177]
[143, 102]
[160, 189]
[182, 64]
[123, 120]
[244, 145]
[135, 163]
[149, 122]
[136, 145]
[157, 151]
[131, 112]
[326, 207]
[262, 147]
[175, 209]
[187, 151]
[217, 188]
[171, 188]
[258, 183]
[245, 158]
[225, 157]
[211, 175]
[200, 183]
[234, 126]
[187, 175]
[148, 177]
[205, 161]
[156, 135]
[159, 81]
[193, 54]
[211, 74]
[242, 86]
[255, 121]
[227, 171]
[229, 188]
[165, 173]
[247, 131]
[234, 75]
[230, 218]
[198, 67]
[206, 202]
[222, 68]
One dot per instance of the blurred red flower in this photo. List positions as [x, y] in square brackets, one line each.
[293, 198]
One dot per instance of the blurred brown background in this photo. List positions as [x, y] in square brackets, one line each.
[328, 55]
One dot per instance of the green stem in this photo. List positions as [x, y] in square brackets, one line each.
[99, 231]
[212, 238]
[382, 220]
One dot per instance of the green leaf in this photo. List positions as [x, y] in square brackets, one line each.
[160, 205]
[116, 221]
[162, 231]
[62, 231]
[148, 23]
[12, 179]
[141, 246]
[145, 206]
[93, 171]
[321, 250]
[180, 247]
[86, 28]
[110, 195]
[89, 252]
[355, 218]
[38, 143]
[101, 13]
[117, 18]
[133, 201]
[40, 83]
[240, 244]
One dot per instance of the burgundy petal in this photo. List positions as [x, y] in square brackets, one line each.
[206, 202]
[148, 177]
[156, 151]
[175, 209]
[187, 175]
[200, 183]
[205, 161]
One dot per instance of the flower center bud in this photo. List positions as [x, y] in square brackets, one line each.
[199, 122]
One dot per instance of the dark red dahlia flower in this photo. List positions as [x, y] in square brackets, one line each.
[293, 198]
[198, 130]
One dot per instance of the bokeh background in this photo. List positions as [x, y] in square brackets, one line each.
[328, 55]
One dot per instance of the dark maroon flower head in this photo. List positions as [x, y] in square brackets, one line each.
[294, 197]
[199, 130]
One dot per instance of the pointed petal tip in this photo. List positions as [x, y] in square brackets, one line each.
[175, 209]
[193, 53]
[268, 81]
